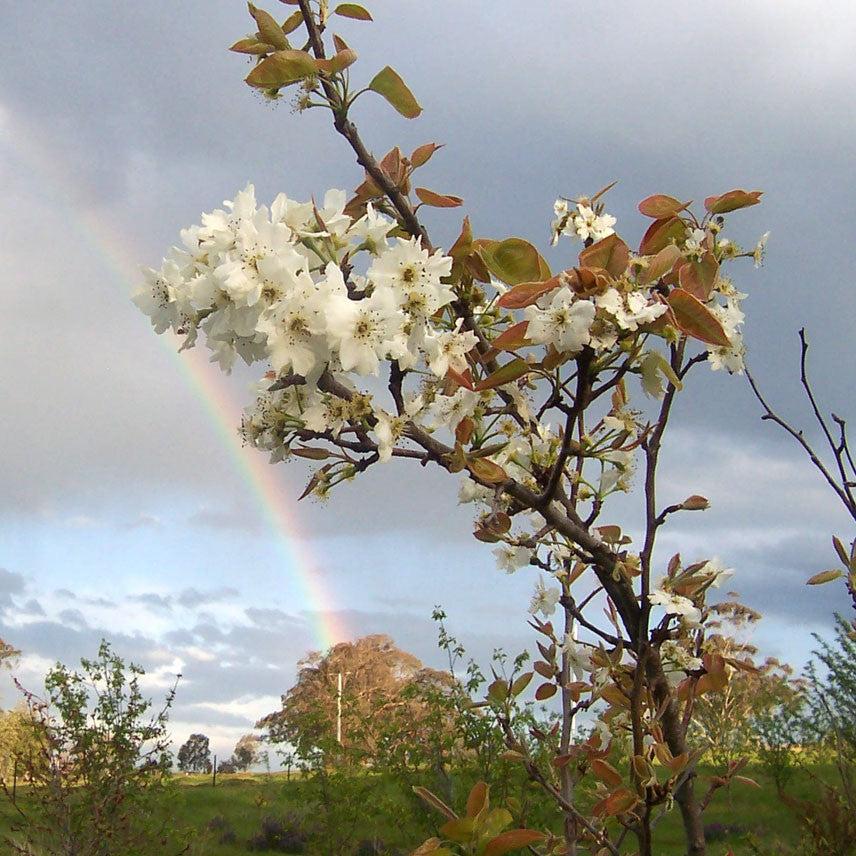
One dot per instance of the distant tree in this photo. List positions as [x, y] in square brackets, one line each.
[19, 742]
[378, 681]
[195, 755]
[227, 766]
[246, 752]
[727, 722]
[7, 653]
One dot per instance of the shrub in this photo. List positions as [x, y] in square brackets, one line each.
[279, 834]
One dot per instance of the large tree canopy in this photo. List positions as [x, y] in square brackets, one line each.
[380, 684]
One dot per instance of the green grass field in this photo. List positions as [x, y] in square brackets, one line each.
[243, 800]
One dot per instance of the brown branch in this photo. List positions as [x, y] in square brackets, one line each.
[349, 131]
[772, 416]
[806, 384]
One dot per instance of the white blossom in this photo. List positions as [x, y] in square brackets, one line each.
[544, 599]
[364, 331]
[579, 657]
[565, 323]
[676, 604]
[511, 558]
[448, 350]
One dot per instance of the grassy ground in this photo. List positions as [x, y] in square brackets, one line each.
[243, 801]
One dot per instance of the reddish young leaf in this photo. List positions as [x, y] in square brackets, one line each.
[422, 154]
[545, 691]
[438, 200]
[527, 293]
[487, 471]
[464, 430]
[698, 278]
[477, 799]
[512, 840]
[512, 338]
[504, 374]
[696, 320]
[610, 253]
[464, 379]
[660, 206]
[711, 682]
[732, 201]
[616, 803]
[660, 234]
[661, 264]
[544, 669]
[606, 772]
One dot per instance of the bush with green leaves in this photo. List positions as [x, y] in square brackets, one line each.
[99, 771]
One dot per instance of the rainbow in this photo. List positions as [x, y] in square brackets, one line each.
[204, 380]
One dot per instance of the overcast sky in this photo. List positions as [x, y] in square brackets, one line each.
[123, 512]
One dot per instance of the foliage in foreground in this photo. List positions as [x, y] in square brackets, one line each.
[96, 765]
[514, 377]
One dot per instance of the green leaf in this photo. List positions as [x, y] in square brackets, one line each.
[841, 550]
[666, 369]
[459, 830]
[514, 261]
[521, 683]
[251, 46]
[269, 30]
[388, 84]
[281, 69]
[338, 62]
[695, 319]
[498, 690]
[353, 10]
[497, 819]
[313, 453]
[824, 577]
[292, 22]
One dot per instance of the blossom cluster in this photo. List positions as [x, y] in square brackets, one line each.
[324, 298]
[268, 283]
